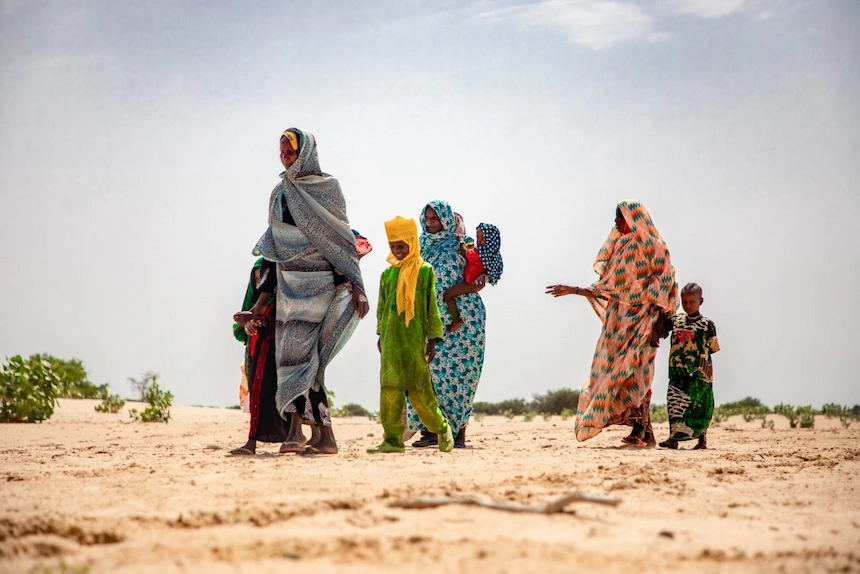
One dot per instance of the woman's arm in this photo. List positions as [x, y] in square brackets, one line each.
[562, 290]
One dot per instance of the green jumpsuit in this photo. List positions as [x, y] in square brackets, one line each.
[404, 368]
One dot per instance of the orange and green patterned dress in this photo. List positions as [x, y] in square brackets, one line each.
[636, 283]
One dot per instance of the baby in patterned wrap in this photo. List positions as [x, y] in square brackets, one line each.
[483, 263]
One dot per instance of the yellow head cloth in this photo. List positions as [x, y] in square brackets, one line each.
[405, 230]
[294, 141]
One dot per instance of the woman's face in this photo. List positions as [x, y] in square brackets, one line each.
[288, 154]
[620, 222]
[431, 220]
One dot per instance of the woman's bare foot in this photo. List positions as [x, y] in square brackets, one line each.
[315, 435]
[295, 438]
[455, 324]
[460, 439]
[249, 447]
[649, 440]
[326, 443]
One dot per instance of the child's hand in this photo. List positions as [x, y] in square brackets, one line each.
[655, 340]
[431, 351]
[242, 317]
[478, 284]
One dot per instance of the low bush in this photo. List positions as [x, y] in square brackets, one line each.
[28, 390]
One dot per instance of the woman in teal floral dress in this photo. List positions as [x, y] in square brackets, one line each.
[456, 370]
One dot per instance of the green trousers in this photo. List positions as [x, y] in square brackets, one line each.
[391, 403]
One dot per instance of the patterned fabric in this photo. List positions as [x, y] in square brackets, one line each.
[489, 252]
[637, 282]
[690, 396]
[456, 370]
[314, 317]
[401, 229]
[362, 245]
[694, 340]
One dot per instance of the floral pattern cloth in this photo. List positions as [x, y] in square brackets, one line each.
[690, 396]
[456, 370]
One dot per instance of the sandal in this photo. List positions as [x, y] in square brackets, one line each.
[634, 440]
[669, 443]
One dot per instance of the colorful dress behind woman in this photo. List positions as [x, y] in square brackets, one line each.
[636, 284]
[456, 370]
[266, 425]
[318, 281]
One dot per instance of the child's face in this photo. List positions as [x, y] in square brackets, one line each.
[479, 236]
[400, 249]
[691, 302]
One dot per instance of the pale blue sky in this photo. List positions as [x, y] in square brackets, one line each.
[139, 146]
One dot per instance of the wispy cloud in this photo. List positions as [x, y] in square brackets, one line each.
[594, 24]
[707, 8]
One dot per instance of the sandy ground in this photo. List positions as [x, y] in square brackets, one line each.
[92, 492]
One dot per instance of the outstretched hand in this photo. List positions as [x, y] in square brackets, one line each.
[561, 290]
[359, 299]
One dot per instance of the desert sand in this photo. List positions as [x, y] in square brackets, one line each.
[92, 492]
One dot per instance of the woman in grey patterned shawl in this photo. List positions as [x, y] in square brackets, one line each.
[320, 293]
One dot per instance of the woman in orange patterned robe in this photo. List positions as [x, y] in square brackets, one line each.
[636, 285]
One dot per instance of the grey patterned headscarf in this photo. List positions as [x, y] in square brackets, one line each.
[318, 208]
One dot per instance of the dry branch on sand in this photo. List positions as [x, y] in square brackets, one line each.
[555, 506]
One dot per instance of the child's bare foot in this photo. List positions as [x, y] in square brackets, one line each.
[455, 324]
[249, 447]
[669, 443]
[702, 445]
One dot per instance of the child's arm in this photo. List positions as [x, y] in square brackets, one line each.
[713, 342]
[460, 288]
[662, 328]
[433, 330]
[380, 306]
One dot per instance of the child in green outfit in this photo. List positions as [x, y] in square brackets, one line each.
[409, 327]
[690, 399]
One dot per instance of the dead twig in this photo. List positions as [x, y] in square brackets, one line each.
[549, 508]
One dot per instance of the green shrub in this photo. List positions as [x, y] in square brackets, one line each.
[143, 384]
[804, 416]
[516, 406]
[529, 416]
[508, 414]
[556, 401]
[546, 416]
[159, 406]
[659, 414]
[74, 381]
[110, 404]
[28, 390]
[567, 413]
[352, 410]
[744, 405]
